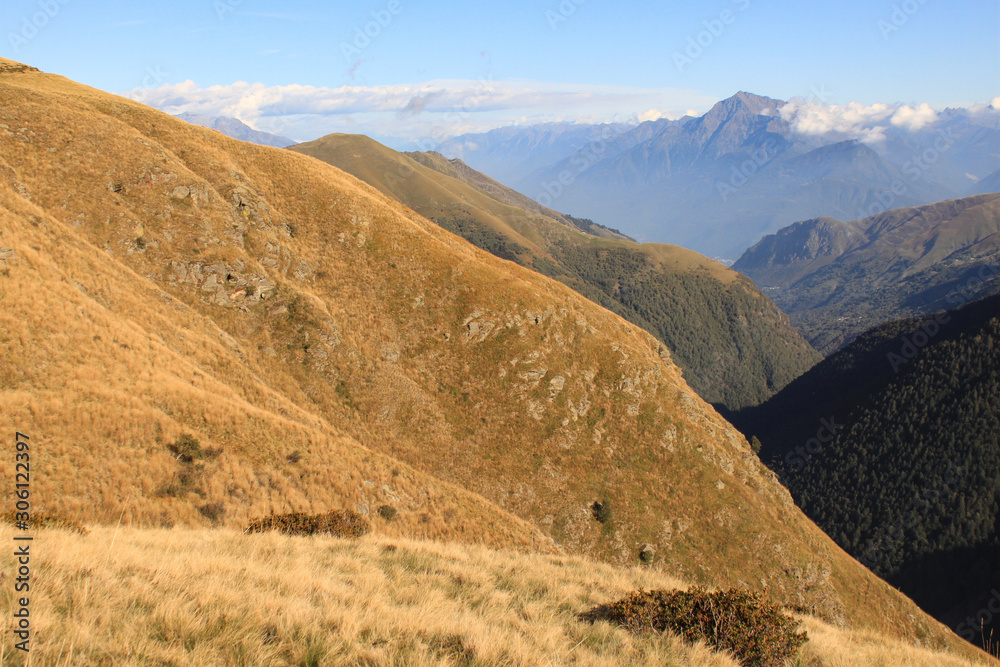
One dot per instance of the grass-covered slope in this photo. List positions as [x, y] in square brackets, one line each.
[330, 349]
[908, 479]
[216, 597]
[734, 346]
[838, 279]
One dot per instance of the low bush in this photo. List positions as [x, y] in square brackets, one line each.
[186, 448]
[754, 630]
[339, 524]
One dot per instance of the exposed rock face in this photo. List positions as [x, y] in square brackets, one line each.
[223, 284]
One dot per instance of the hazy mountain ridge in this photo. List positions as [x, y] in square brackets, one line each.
[179, 282]
[237, 129]
[733, 344]
[836, 279]
[719, 182]
[516, 151]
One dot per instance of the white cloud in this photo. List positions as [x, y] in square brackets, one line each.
[912, 119]
[855, 121]
[652, 114]
[411, 112]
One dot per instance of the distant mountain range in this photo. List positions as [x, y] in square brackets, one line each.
[836, 279]
[734, 346]
[237, 129]
[718, 182]
[892, 445]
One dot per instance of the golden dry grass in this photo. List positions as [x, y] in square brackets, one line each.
[216, 597]
[484, 401]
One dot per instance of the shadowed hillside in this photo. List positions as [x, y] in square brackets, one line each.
[892, 445]
[837, 279]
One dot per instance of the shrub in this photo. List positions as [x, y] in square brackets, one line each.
[757, 632]
[601, 511]
[186, 448]
[339, 524]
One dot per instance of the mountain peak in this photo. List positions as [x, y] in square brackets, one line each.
[749, 102]
[237, 129]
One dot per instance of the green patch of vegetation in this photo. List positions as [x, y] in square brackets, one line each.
[186, 448]
[483, 237]
[733, 345]
[757, 632]
[547, 267]
[601, 511]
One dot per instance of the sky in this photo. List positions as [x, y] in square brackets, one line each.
[412, 72]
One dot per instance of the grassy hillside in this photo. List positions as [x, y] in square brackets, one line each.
[909, 483]
[837, 279]
[216, 597]
[734, 346]
[329, 348]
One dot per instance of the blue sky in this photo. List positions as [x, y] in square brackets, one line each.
[437, 67]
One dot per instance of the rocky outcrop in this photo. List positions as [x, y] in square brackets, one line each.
[223, 284]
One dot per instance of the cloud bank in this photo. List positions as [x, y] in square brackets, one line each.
[413, 113]
[856, 121]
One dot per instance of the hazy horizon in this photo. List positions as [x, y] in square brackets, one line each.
[402, 73]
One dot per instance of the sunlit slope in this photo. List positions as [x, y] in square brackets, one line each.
[268, 303]
[733, 345]
[216, 597]
[103, 370]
